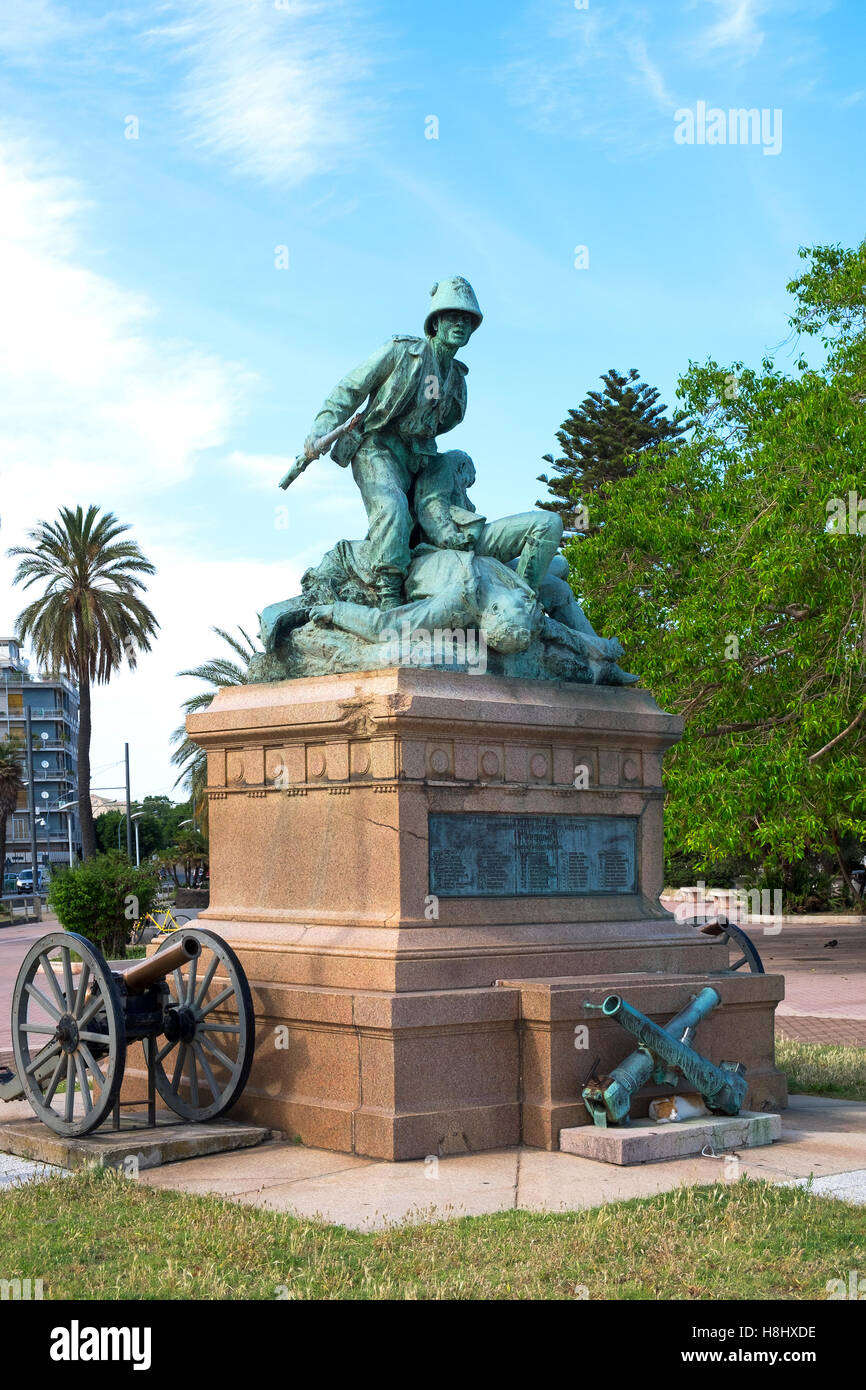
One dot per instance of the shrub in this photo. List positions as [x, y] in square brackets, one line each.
[101, 898]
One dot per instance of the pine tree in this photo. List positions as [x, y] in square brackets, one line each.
[599, 441]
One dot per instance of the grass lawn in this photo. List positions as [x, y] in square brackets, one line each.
[818, 1069]
[98, 1235]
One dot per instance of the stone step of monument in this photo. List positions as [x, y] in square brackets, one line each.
[131, 1148]
[652, 1141]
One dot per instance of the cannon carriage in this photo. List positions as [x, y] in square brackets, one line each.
[73, 1018]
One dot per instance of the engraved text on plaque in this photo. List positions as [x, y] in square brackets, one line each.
[503, 856]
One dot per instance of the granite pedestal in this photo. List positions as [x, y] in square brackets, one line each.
[426, 873]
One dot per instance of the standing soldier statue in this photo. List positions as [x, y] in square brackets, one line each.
[417, 390]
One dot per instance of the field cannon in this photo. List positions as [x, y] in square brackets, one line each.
[189, 1004]
[664, 1055]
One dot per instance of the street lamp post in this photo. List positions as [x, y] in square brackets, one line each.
[137, 817]
[66, 806]
[188, 822]
[128, 803]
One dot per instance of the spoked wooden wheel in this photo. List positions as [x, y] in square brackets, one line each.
[741, 948]
[203, 1064]
[68, 1033]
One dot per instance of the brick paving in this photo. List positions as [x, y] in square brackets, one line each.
[844, 1032]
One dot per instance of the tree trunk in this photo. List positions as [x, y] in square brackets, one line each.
[843, 868]
[117, 942]
[3, 822]
[85, 810]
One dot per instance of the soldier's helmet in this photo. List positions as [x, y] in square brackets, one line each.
[453, 293]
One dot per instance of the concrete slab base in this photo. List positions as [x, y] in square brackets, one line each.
[132, 1148]
[648, 1141]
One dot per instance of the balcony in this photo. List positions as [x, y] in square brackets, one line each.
[39, 712]
[40, 745]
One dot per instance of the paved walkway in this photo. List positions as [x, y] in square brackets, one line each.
[15, 942]
[821, 1138]
[15, 1171]
[825, 985]
[838, 1032]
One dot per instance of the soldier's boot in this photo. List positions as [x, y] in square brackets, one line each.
[389, 589]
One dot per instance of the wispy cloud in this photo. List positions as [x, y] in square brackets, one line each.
[322, 489]
[736, 29]
[97, 400]
[606, 75]
[587, 74]
[279, 93]
[26, 29]
[649, 74]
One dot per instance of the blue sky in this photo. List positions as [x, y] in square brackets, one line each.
[155, 360]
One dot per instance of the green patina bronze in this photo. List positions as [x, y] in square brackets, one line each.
[429, 564]
[664, 1055]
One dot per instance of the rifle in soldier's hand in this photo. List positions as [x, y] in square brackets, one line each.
[314, 451]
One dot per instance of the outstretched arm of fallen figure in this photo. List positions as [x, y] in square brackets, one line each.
[587, 645]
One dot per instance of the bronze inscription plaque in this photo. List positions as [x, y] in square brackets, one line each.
[503, 856]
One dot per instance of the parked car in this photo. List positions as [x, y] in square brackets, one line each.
[24, 881]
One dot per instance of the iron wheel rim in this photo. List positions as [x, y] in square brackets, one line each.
[201, 1076]
[78, 1017]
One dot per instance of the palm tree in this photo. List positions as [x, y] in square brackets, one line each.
[90, 617]
[221, 672]
[11, 784]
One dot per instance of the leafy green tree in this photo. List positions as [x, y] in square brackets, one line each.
[602, 441]
[102, 898]
[186, 859]
[90, 617]
[11, 785]
[222, 671]
[168, 813]
[111, 828]
[733, 566]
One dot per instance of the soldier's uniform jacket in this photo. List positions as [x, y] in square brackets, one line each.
[407, 397]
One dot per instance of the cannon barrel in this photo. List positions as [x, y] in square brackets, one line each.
[613, 1098]
[701, 1004]
[148, 972]
[724, 1087]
